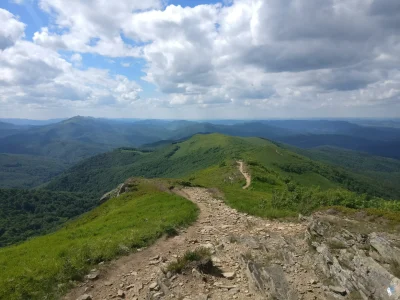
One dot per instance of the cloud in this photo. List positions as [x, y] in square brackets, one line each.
[35, 76]
[387, 12]
[76, 58]
[90, 30]
[270, 52]
[49, 40]
[263, 55]
[10, 29]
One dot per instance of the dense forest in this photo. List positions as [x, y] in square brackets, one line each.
[27, 171]
[27, 213]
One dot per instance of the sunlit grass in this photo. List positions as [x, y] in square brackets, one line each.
[34, 269]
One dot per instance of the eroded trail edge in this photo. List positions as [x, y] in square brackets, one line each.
[261, 259]
[245, 174]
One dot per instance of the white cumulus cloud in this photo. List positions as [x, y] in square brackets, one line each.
[311, 56]
[11, 29]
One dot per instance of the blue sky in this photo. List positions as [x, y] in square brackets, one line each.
[242, 58]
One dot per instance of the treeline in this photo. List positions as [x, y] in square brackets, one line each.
[27, 213]
[104, 172]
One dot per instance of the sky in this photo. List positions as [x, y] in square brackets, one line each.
[232, 59]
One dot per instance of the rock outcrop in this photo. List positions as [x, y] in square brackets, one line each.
[357, 261]
[125, 187]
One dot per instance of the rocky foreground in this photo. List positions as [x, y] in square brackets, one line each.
[323, 257]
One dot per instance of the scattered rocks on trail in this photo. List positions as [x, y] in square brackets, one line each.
[230, 236]
[254, 258]
[338, 290]
[229, 275]
[121, 293]
[85, 297]
[93, 275]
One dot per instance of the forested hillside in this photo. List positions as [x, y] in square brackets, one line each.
[7, 129]
[103, 172]
[78, 138]
[27, 171]
[27, 213]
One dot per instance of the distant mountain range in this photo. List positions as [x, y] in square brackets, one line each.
[31, 122]
[77, 138]
[72, 140]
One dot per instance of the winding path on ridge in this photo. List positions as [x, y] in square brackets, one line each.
[245, 174]
[234, 238]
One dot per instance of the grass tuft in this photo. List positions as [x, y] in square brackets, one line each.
[199, 258]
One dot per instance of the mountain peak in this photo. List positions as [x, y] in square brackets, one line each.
[78, 118]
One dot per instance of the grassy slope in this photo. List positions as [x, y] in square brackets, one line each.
[276, 192]
[227, 178]
[33, 269]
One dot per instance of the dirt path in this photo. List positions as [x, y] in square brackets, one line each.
[265, 259]
[245, 174]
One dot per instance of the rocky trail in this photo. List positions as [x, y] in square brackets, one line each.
[257, 259]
